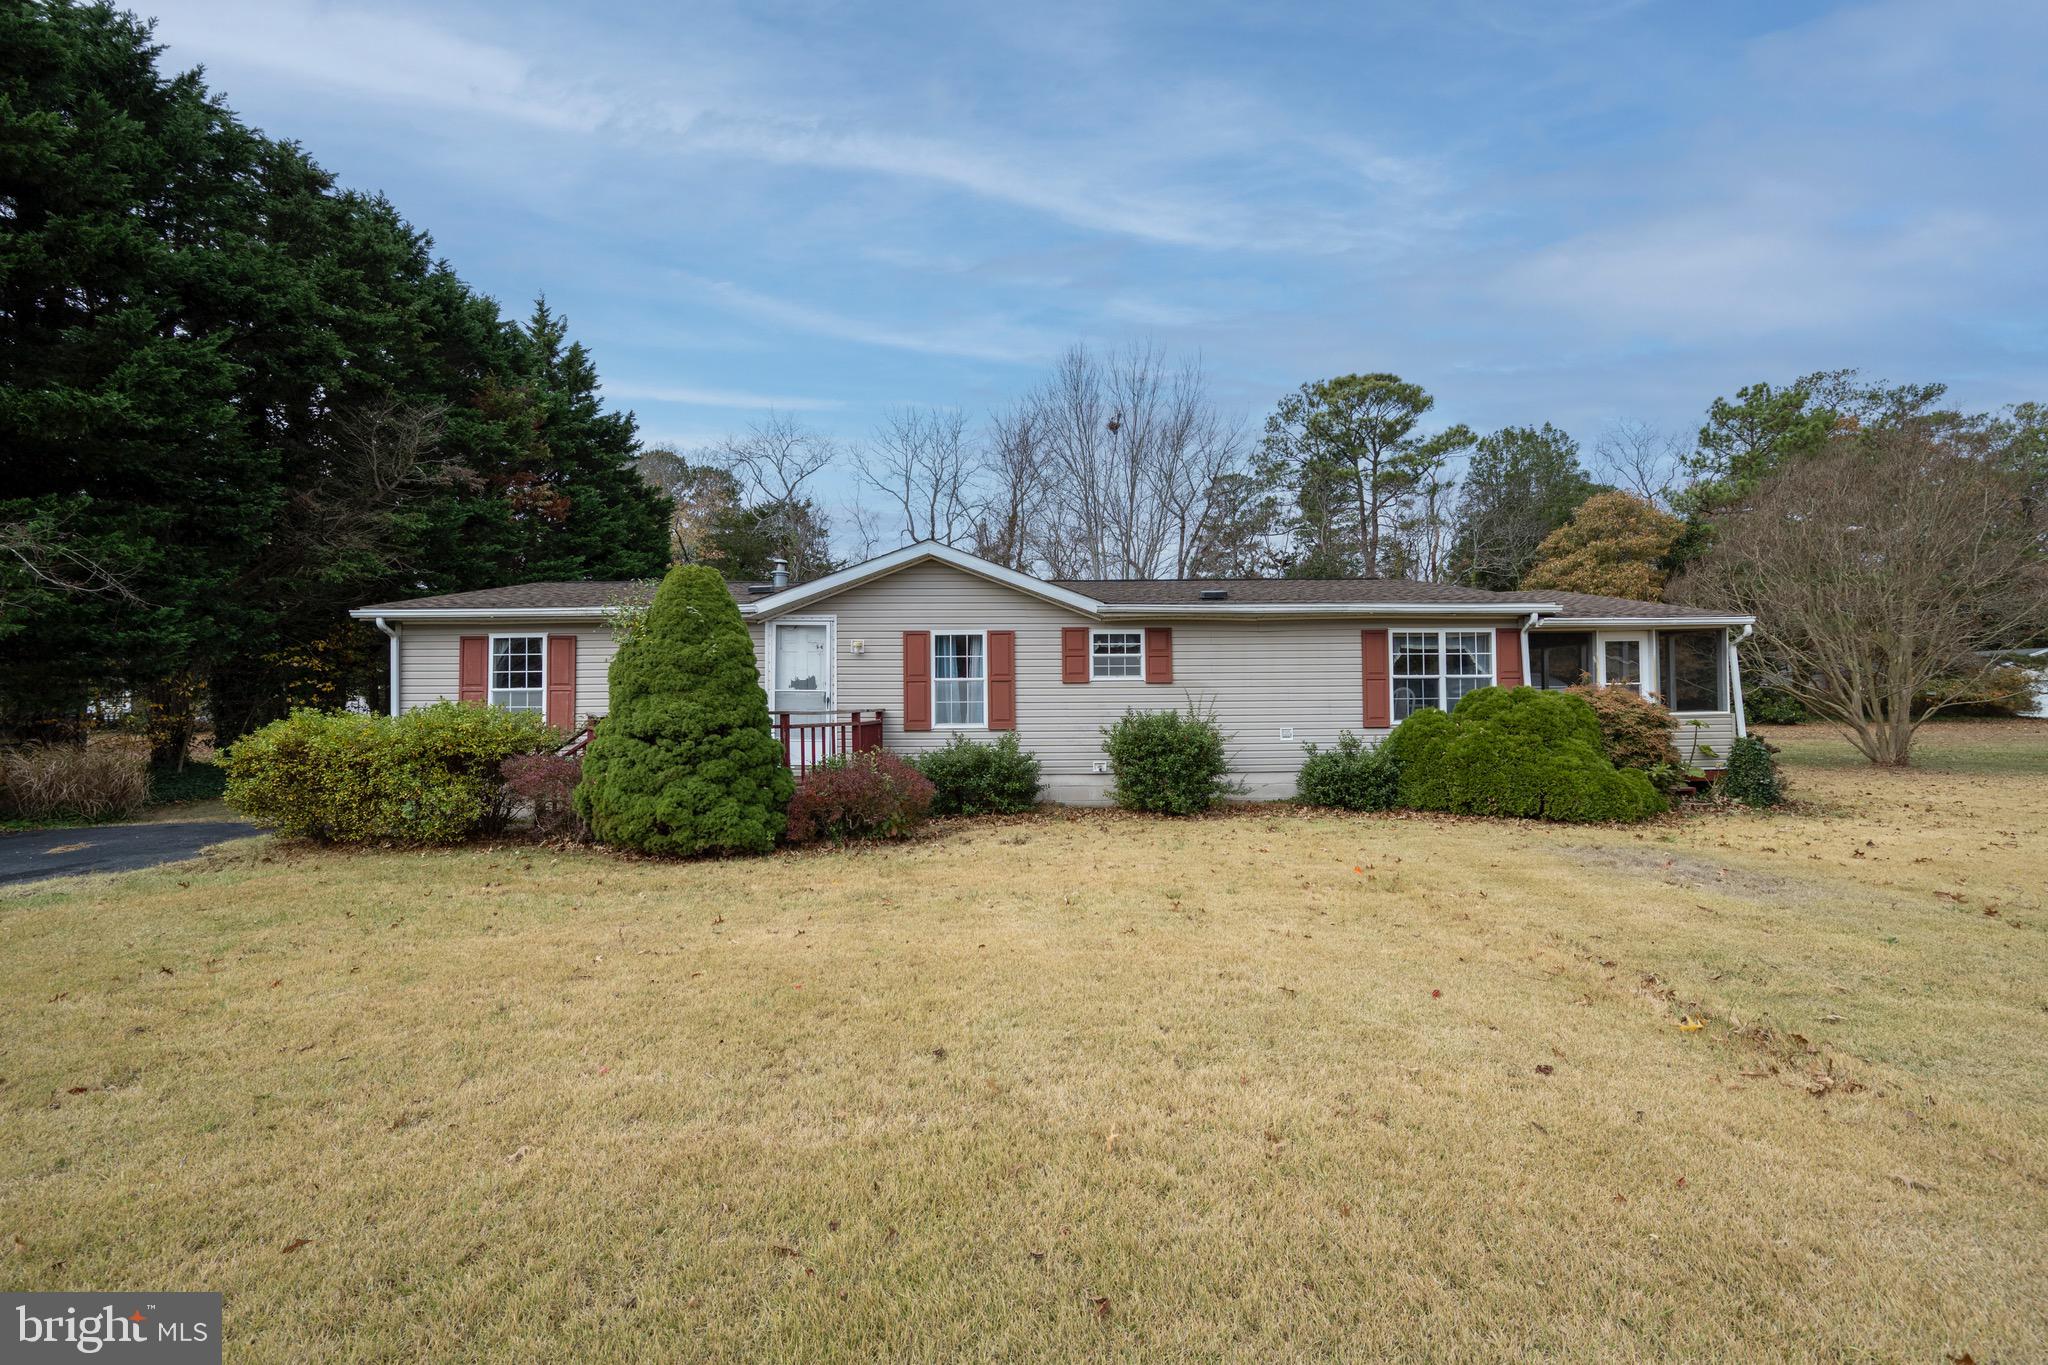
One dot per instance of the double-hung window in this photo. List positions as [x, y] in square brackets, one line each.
[1116, 654]
[1438, 667]
[518, 672]
[959, 680]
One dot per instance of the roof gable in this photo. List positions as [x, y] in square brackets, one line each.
[924, 552]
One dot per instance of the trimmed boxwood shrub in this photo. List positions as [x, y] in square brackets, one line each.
[427, 776]
[874, 795]
[1350, 776]
[1416, 748]
[1171, 762]
[1751, 776]
[972, 778]
[686, 763]
[1521, 752]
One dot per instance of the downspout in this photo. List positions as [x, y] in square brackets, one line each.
[393, 633]
[1527, 681]
[1735, 678]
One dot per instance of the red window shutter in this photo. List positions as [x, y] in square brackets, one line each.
[1159, 654]
[1074, 654]
[1002, 680]
[1507, 657]
[1379, 700]
[473, 669]
[917, 680]
[562, 681]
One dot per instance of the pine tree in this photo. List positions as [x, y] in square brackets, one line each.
[254, 400]
[686, 763]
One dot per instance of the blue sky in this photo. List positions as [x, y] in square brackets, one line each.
[1611, 211]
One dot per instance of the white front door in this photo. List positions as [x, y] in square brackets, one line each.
[801, 655]
[1624, 660]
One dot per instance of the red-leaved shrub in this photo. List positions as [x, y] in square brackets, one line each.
[546, 782]
[874, 795]
[1635, 732]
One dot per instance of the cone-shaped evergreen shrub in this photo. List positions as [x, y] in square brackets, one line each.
[686, 763]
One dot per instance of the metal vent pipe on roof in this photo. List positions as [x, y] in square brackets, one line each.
[781, 574]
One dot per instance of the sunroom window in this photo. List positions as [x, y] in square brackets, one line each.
[1690, 663]
[517, 664]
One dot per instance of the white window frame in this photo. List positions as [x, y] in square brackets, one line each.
[1723, 649]
[1093, 676]
[1646, 654]
[491, 688]
[931, 665]
[1443, 675]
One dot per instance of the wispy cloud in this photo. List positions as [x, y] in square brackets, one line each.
[1132, 174]
[646, 392]
[991, 339]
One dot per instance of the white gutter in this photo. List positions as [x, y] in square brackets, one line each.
[1644, 622]
[1133, 610]
[484, 613]
[1527, 626]
[379, 623]
[1735, 679]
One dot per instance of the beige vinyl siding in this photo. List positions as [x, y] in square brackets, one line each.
[428, 663]
[1260, 675]
[1716, 731]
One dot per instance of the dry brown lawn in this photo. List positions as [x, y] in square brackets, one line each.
[1269, 1085]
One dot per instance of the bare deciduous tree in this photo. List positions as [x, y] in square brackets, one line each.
[1879, 571]
[923, 468]
[1129, 450]
[776, 459]
[1640, 459]
[1009, 513]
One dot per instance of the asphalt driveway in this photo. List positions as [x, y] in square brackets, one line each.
[44, 853]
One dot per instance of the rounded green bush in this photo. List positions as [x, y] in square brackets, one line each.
[1751, 776]
[427, 776]
[1520, 752]
[686, 762]
[1350, 776]
[1171, 762]
[1417, 745]
[972, 778]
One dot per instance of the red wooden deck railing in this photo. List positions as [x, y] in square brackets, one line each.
[809, 742]
[804, 742]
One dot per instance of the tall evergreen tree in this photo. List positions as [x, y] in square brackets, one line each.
[1522, 484]
[685, 762]
[253, 399]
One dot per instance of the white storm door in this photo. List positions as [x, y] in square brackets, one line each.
[1624, 660]
[801, 655]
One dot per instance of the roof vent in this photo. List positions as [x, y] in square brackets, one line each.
[781, 574]
[760, 589]
[1215, 594]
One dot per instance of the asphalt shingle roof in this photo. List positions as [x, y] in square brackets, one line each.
[1365, 592]
[543, 596]
[1136, 592]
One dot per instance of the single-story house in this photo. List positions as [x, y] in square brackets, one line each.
[927, 642]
